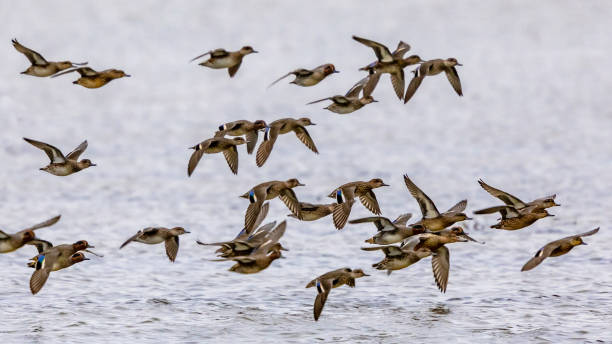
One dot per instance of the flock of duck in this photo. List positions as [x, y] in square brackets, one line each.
[256, 246]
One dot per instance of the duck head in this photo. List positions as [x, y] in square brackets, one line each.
[451, 62]
[117, 73]
[329, 69]
[305, 121]
[367, 100]
[77, 257]
[293, 182]
[247, 49]
[358, 273]
[376, 183]
[178, 231]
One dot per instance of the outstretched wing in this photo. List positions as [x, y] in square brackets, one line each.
[440, 266]
[382, 52]
[453, 78]
[265, 148]
[428, 208]
[323, 289]
[502, 195]
[47, 223]
[34, 57]
[457, 208]
[303, 135]
[172, 246]
[231, 156]
[54, 154]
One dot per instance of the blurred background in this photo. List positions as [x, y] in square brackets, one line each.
[535, 120]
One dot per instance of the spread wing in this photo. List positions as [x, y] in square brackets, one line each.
[507, 212]
[303, 135]
[233, 69]
[34, 57]
[38, 279]
[379, 221]
[402, 219]
[281, 78]
[41, 245]
[172, 246]
[132, 238]
[4, 235]
[251, 138]
[414, 84]
[194, 160]
[265, 148]
[428, 208]
[341, 213]
[353, 92]
[503, 196]
[398, 82]
[402, 48]
[47, 223]
[54, 154]
[457, 208]
[231, 156]
[290, 199]
[323, 289]
[369, 201]
[382, 52]
[440, 265]
[371, 83]
[453, 78]
[74, 155]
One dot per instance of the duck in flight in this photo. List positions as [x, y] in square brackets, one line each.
[557, 248]
[12, 242]
[91, 78]
[220, 58]
[157, 235]
[333, 279]
[62, 165]
[217, 144]
[41, 67]
[435, 67]
[309, 77]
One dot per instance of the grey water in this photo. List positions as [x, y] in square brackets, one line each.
[535, 120]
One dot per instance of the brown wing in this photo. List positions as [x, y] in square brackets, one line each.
[398, 82]
[341, 213]
[382, 52]
[197, 57]
[502, 195]
[281, 78]
[369, 201]
[233, 69]
[54, 154]
[507, 212]
[74, 155]
[428, 208]
[379, 221]
[251, 137]
[440, 265]
[265, 148]
[47, 223]
[194, 160]
[231, 156]
[132, 238]
[457, 208]
[323, 289]
[34, 57]
[414, 84]
[303, 135]
[38, 279]
[290, 199]
[453, 78]
[371, 83]
[402, 48]
[402, 219]
[172, 246]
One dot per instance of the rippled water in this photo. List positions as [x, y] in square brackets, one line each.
[535, 120]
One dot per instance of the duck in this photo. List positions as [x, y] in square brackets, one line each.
[309, 77]
[12, 242]
[313, 212]
[61, 254]
[41, 67]
[432, 219]
[157, 235]
[508, 199]
[421, 246]
[284, 126]
[557, 248]
[333, 279]
[244, 244]
[434, 67]
[513, 219]
[391, 63]
[220, 58]
[61, 165]
[243, 127]
[51, 262]
[261, 258]
[390, 232]
[345, 197]
[91, 78]
[214, 145]
[267, 191]
[397, 257]
[351, 101]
